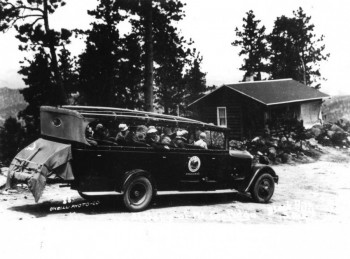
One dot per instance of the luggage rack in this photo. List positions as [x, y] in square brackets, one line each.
[95, 112]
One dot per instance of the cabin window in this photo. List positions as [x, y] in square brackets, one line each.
[222, 117]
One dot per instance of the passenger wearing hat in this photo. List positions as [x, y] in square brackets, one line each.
[181, 138]
[122, 135]
[201, 143]
[152, 138]
[166, 137]
[101, 133]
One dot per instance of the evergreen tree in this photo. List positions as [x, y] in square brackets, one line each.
[295, 50]
[38, 77]
[11, 139]
[195, 81]
[130, 80]
[99, 64]
[253, 44]
[67, 69]
[31, 20]
[170, 52]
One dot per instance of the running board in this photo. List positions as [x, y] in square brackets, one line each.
[195, 192]
[160, 192]
[101, 193]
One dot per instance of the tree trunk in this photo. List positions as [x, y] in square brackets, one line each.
[149, 55]
[58, 93]
[304, 69]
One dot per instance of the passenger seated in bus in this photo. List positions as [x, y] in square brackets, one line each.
[152, 139]
[141, 132]
[101, 132]
[180, 139]
[89, 135]
[122, 134]
[201, 142]
[101, 135]
[166, 137]
[132, 139]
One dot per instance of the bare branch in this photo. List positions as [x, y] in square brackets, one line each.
[30, 15]
[40, 18]
[25, 7]
[30, 8]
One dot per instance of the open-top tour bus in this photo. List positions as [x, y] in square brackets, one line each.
[105, 151]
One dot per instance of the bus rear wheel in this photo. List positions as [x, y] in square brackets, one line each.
[138, 193]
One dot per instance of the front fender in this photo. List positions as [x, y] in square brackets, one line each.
[257, 170]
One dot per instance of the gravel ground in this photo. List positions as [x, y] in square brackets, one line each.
[310, 203]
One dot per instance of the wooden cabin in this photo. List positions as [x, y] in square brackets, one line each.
[250, 108]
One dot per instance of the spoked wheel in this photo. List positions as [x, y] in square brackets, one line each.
[263, 188]
[138, 193]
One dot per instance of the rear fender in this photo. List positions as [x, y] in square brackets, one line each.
[128, 176]
[258, 170]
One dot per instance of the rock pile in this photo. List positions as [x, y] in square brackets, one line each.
[332, 134]
[296, 143]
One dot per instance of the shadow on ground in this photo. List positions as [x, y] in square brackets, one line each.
[115, 205]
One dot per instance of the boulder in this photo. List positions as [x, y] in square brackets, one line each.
[330, 133]
[336, 128]
[312, 142]
[338, 137]
[309, 134]
[291, 140]
[272, 150]
[316, 131]
[286, 158]
[264, 160]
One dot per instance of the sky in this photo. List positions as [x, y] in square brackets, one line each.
[211, 25]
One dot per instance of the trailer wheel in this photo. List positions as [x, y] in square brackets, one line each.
[263, 188]
[138, 193]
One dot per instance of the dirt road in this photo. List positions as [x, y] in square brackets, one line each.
[312, 194]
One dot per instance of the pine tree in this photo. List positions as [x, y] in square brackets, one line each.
[11, 139]
[170, 52]
[296, 52]
[253, 44]
[67, 69]
[31, 20]
[37, 75]
[195, 81]
[99, 63]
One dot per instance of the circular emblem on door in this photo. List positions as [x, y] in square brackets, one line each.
[194, 164]
[56, 122]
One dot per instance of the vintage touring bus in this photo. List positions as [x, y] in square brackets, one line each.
[105, 151]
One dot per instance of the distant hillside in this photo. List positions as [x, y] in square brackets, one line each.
[11, 102]
[336, 108]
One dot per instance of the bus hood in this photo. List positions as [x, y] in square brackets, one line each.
[38, 161]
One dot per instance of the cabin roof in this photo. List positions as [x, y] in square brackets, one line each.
[273, 92]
